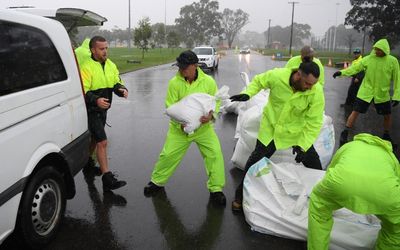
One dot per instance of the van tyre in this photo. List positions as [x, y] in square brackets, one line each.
[42, 207]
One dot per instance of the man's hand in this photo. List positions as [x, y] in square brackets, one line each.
[103, 103]
[239, 98]
[300, 154]
[395, 103]
[205, 119]
[336, 74]
[124, 92]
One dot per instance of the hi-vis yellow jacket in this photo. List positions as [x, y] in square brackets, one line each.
[290, 118]
[100, 80]
[379, 72]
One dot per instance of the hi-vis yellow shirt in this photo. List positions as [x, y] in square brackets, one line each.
[290, 118]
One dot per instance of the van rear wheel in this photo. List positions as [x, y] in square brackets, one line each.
[42, 207]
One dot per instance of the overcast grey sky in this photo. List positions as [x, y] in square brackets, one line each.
[319, 14]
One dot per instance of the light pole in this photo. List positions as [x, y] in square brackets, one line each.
[291, 28]
[165, 21]
[129, 24]
[334, 36]
[269, 33]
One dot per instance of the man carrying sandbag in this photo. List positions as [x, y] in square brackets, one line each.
[190, 79]
[293, 116]
[364, 177]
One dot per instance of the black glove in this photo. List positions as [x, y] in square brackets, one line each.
[239, 98]
[336, 74]
[300, 154]
[395, 103]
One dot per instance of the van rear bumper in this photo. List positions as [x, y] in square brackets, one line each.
[76, 153]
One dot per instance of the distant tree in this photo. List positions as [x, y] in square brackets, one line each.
[282, 35]
[199, 22]
[232, 22]
[142, 35]
[158, 34]
[380, 16]
[173, 39]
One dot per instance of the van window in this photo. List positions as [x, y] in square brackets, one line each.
[28, 59]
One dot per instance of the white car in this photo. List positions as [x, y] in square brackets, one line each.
[208, 57]
[44, 137]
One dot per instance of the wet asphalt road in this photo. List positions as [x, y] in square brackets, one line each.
[180, 218]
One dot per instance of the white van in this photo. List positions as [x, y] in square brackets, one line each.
[44, 137]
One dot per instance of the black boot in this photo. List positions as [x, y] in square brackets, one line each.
[218, 198]
[110, 182]
[343, 136]
[151, 189]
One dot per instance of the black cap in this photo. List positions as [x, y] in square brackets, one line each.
[186, 58]
[356, 51]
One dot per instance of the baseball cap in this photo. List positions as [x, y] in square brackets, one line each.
[357, 51]
[186, 58]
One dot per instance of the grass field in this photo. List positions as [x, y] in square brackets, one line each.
[153, 57]
[324, 56]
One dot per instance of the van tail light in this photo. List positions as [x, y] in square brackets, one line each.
[79, 71]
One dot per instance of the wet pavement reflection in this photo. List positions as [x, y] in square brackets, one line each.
[181, 217]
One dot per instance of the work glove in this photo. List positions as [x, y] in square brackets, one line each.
[336, 74]
[300, 154]
[395, 103]
[239, 98]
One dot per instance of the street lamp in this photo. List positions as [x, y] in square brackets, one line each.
[129, 24]
[269, 34]
[291, 28]
[334, 36]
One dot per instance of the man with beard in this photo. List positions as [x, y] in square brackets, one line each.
[293, 116]
[100, 78]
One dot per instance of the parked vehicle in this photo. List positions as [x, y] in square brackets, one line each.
[208, 57]
[244, 50]
[44, 137]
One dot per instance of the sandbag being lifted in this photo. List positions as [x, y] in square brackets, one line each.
[189, 110]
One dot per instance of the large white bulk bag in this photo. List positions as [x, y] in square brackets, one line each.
[275, 202]
[250, 124]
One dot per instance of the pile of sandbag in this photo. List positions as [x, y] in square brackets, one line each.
[275, 202]
[248, 131]
[191, 108]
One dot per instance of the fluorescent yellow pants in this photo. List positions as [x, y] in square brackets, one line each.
[328, 196]
[175, 147]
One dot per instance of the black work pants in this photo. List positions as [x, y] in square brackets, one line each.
[352, 92]
[311, 160]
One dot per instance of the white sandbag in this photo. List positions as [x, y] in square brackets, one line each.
[275, 202]
[250, 124]
[260, 100]
[191, 108]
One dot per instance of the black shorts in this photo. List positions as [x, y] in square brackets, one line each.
[383, 108]
[97, 121]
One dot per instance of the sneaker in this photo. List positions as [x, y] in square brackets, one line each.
[237, 206]
[343, 137]
[110, 182]
[151, 189]
[218, 198]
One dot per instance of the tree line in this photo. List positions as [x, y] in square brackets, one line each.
[202, 23]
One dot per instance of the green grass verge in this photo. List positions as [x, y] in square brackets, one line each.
[324, 56]
[153, 57]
